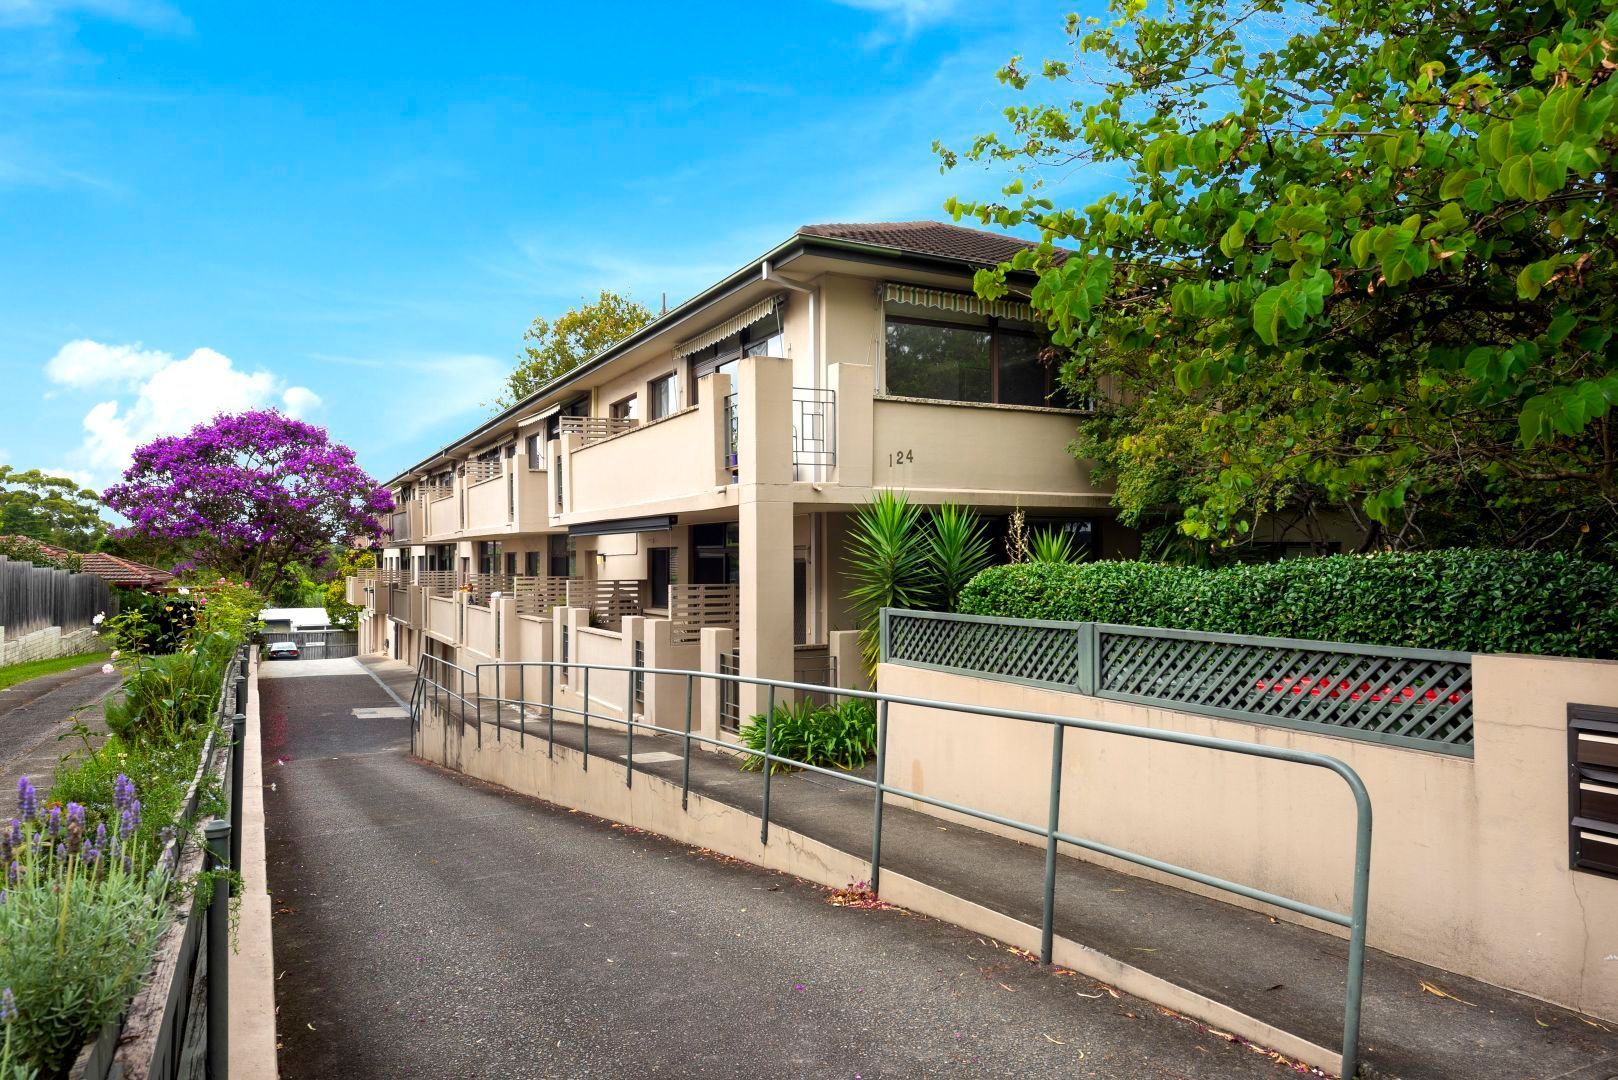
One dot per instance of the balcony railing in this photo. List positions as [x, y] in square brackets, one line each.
[438, 582]
[591, 429]
[477, 471]
[437, 492]
[733, 431]
[608, 601]
[482, 586]
[538, 595]
[693, 607]
[814, 427]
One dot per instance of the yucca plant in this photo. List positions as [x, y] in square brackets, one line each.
[887, 563]
[1052, 546]
[957, 549]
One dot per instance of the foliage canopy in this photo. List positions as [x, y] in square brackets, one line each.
[551, 348]
[1360, 251]
[51, 509]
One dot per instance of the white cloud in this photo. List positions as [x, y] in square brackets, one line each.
[85, 364]
[912, 13]
[144, 14]
[299, 401]
[169, 396]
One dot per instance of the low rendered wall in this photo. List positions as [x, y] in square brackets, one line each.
[47, 644]
[1469, 868]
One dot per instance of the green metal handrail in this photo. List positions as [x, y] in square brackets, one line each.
[1354, 920]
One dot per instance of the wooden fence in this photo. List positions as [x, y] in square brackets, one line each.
[35, 597]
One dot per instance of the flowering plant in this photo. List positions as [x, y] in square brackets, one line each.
[251, 494]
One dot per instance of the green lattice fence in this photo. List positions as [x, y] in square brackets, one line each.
[1031, 651]
[1411, 697]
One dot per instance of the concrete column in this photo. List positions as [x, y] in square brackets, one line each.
[855, 385]
[715, 641]
[844, 646]
[712, 391]
[764, 510]
[507, 641]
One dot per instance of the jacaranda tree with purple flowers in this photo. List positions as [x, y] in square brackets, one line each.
[251, 495]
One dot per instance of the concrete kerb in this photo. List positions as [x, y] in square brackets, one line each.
[654, 804]
[252, 968]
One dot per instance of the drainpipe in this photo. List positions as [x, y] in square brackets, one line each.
[765, 274]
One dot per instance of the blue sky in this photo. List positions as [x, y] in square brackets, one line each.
[352, 211]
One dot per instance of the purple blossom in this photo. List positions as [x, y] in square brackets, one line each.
[101, 834]
[61, 852]
[14, 872]
[8, 1006]
[16, 832]
[239, 484]
[92, 854]
[53, 821]
[129, 820]
[27, 799]
[75, 815]
[123, 791]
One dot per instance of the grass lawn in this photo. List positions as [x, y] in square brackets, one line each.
[33, 669]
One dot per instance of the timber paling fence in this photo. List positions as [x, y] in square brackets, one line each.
[1416, 698]
[33, 598]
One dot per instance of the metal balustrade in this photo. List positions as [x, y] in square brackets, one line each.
[814, 427]
[481, 587]
[1419, 698]
[438, 582]
[453, 695]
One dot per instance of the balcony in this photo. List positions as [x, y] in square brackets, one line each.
[814, 433]
[664, 463]
[408, 524]
[926, 446]
[594, 429]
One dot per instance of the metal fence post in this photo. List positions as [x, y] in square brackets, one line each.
[238, 739]
[769, 766]
[1047, 929]
[586, 719]
[1356, 931]
[881, 787]
[217, 834]
[629, 728]
[550, 708]
[522, 705]
[685, 779]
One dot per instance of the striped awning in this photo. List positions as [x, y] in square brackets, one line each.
[714, 336]
[962, 303]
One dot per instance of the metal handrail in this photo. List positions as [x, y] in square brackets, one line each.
[1354, 920]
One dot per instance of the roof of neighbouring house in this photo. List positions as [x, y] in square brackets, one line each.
[301, 618]
[927, 238]
[109, 568]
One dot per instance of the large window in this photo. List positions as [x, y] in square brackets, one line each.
[964, 362]
[626, 409]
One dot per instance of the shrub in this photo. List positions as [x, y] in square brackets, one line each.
[1464, 599]
[165, 696]
[838, 736]
[76, 936]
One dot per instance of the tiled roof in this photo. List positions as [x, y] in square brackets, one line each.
[109, 568]
[116, 571]
[927, 238]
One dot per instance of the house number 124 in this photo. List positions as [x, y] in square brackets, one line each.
[901, 457]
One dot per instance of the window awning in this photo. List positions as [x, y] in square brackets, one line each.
[661, 523]
[759, 311]
[962, 303]
[539, 417]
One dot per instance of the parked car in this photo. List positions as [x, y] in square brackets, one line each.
[282, 650]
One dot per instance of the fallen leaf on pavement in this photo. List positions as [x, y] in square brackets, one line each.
[1440, 992]
[1058, 1042]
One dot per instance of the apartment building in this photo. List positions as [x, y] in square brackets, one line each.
[682, 499]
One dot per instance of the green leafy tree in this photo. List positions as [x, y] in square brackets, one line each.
[553, 347]
[339, 612]
[51, 509]
[1366, 244]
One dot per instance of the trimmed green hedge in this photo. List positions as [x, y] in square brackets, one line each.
[1467, 600]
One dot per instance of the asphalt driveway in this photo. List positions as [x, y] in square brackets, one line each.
[427, 925]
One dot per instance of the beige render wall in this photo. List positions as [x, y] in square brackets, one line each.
[1469, 864]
